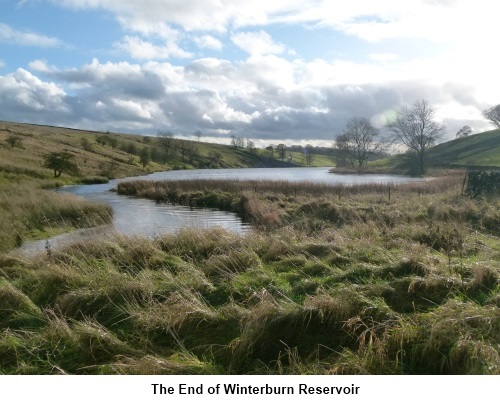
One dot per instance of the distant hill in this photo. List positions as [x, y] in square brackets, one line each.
[480, 150]
[114, 155]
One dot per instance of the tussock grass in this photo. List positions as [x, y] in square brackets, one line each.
[353, 285]
[28, 212]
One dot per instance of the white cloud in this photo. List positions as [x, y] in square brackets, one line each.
[264, 97]
[368, 19]
[383, 57]
[24, 97]
[132, 109]
[26, 38]
[41, 66]
[257, 43]
[200, 15]
[139, 49]
[268, 96]
[208, 42]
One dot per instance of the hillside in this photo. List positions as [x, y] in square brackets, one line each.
[473, 152]
[480, 150]
[113, 155]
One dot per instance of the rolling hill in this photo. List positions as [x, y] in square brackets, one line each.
[475, 151]
[112, 155]
[479, 151]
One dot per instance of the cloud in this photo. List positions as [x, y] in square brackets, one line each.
[366, 19]
[26, 98]
[41, 66]
[193, 15]
[383, 57]
[208, 42]
[145, 50]
[264, 97]
[257, 43]
[25, 38]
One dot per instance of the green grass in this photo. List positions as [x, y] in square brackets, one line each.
[356, 285]
[28, 212]
[331, 280]
[96, 161]
[473, 152]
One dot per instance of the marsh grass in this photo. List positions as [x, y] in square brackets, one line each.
[28, 212]
[356, 285]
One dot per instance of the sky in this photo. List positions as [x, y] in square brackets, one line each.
[267, 70]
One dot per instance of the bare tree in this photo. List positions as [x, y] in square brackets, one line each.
[197, 134]
[183, 146]
[281, 148]
[493, 115]
[416, 129]
[464, 132]
[358, 142]
[237, 141]
[165, 141]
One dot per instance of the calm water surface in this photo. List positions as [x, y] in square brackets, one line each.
[141, 217]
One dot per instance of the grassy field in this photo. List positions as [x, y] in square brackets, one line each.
[334, 280]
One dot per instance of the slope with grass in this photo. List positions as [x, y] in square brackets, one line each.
[110, 155]
[480, 150]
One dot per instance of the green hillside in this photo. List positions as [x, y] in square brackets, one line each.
[480, 150]
[101, 155]
[475, 151]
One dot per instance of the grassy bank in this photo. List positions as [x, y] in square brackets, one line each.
[338, 280]
[311, 207]
[28, 212]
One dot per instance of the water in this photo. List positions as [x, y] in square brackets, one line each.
[140, 217]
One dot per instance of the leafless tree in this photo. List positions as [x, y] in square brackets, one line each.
[197, 134]
[416, 129]
[281, 148]
[358, 142]
[493, 115]
[165, 141]
[464, 132]
[237, 141]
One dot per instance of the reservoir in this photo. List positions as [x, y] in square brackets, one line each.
[140, 217]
